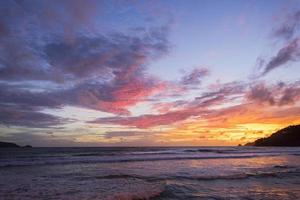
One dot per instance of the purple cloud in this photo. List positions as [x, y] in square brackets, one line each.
[288, 27]
[261, 94]
[57, 42]
[291, 52]
[16, 115]
[274, 95]
[195, 76]
[290, 96]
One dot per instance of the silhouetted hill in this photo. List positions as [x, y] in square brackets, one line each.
[289, 136]
[12, 145]
[8, 145]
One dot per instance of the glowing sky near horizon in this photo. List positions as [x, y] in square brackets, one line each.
[135, 73]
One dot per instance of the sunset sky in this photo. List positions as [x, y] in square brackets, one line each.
[135, 73]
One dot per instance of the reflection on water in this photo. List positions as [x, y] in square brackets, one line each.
[266, 174]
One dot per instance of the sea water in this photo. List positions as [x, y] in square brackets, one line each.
[150, 173]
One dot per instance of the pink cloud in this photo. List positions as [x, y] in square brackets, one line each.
[274, 95]
[185, 110]
[147, 121]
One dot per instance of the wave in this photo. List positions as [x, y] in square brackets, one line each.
[93, 154]
[242, 151]
[118, 154]
[152, 192]
[148, 187]
[110, 160]
[277, 174]
[53, 156]
[91, 160]
[203, 150]
[293, 171]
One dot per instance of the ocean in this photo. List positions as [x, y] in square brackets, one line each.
[156, 173]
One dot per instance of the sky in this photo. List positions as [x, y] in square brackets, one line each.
[148, 73]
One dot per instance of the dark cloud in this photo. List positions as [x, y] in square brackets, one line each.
[226, 89]
[288, 30]
[261, 94]
[116, 56]
[57, 42]
[291, 52]
[195, 76]
[275, 95]
[288, 27]
[27, 27]
[10, 94]
[42, 18]
[21, 62]
[290, 96]
[16, 115]
[23, 108]
[106, 57]
[113, 69]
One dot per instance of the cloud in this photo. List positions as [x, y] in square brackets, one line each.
[10, 94]
[27, 27]
[163, 107]
[34, 46]
[125, 134]
[147, 121]
[261, 94]
[288, 30]
[195, 76]
[288, 27]
[48, 17]
[291, 52]
[290, 96]
[23, 108]
[195, 108]
[15, 115]
[225, 89]
[115, 56]
[204, 107]
[235, 123]
[235, 116]
[275, 95]
[114, 97]
[53, 42]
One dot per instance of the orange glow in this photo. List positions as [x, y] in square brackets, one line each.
[231, 126]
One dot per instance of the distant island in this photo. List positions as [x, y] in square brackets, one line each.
[12, 145]
[289, 136]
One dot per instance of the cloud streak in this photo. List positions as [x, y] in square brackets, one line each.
[15, 115]
[198, 107]
[195, 76]
[288, 27]
[289, 53]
